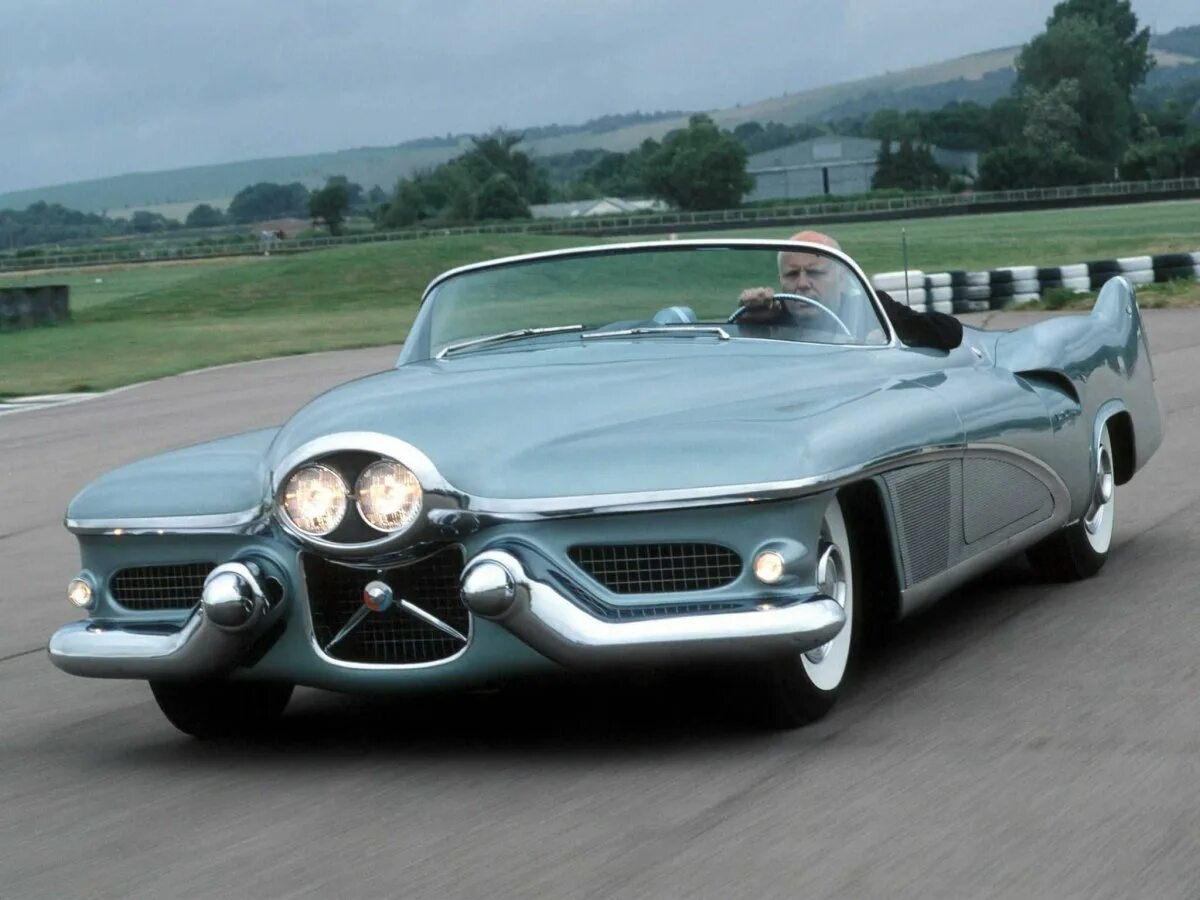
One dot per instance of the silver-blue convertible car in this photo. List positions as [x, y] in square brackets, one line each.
[597, 458]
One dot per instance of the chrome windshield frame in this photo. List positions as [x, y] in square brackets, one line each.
[671, 330]
[649, 246]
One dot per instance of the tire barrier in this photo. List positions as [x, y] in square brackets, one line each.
[25, 307]
[907, 288]
[961, 292]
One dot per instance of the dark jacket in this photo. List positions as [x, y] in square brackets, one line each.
[918, 329]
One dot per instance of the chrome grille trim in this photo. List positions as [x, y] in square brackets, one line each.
[391, 638]
[658, 568]
[176, 586]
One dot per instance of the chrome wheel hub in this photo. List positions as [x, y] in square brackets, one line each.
[1103, 494]
[831, 581]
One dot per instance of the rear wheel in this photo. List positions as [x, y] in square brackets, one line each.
[801, 689]
[1081, 548]
[212, 709]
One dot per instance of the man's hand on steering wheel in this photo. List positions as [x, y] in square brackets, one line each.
[764, 306]
[759, 306]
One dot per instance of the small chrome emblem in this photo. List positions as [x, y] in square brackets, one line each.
[377, 596]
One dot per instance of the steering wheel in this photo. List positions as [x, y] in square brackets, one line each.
[742, 310]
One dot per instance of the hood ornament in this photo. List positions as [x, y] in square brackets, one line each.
[378, 597]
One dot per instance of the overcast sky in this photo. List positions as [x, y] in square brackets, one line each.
[91, 88]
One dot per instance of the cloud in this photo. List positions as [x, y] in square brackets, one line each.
[90, 89]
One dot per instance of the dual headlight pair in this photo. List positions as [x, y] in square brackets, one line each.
[387, 494]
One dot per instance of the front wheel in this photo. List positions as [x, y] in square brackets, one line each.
[1081, 548]
[801, 689]
[214, 709]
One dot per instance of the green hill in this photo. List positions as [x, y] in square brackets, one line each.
[979, 76]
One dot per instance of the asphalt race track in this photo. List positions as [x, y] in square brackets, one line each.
[1021, 740]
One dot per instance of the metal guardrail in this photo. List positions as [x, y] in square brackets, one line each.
[625, 224]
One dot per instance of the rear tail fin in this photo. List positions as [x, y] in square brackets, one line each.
[1117, 300]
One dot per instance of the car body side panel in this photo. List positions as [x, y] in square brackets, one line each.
[1104, 355]
[1031, 423]
[952, 518]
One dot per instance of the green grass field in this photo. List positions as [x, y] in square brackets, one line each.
[138, 322]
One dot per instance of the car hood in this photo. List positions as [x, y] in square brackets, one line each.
[615, 416]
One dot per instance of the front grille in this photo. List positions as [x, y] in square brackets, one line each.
[160, 587]
[393, 636]
[658, 568]
[605, 610]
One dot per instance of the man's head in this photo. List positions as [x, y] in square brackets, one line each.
[810, 274]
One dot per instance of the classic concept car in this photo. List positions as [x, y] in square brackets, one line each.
[596, 458]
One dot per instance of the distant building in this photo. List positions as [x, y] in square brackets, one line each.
[831, 164]
[604, 206]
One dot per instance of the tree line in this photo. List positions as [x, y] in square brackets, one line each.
[1079, 112]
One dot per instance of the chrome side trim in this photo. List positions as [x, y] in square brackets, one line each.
[682, 498]
[221, 523]
[558, 629]
[695, 243]
[485, 510]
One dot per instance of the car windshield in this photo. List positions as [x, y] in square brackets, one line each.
[794, 293]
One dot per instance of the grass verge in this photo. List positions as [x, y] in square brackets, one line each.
[138, 322]
[1171, 295]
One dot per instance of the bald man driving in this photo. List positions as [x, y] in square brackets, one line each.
[820, 277]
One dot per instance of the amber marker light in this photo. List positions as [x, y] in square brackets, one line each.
[768, 567]
[80, 593]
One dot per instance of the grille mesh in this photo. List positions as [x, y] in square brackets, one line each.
[393, 636]
[922, 496]
[161, 587]
[658, 568]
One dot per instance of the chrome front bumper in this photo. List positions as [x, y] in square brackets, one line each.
[232, 612]
[497, 587]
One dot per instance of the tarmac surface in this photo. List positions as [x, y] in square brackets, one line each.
[1019, 740]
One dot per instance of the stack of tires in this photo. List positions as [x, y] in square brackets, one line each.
[963, 292]
[905, 287]
[1073, 278]
[1013, 285]
[1172, 266]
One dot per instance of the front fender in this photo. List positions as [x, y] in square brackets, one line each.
[223, 481]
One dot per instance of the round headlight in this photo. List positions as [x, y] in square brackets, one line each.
[80, 593]
[315, 499]
[769, 567]
[389, 496]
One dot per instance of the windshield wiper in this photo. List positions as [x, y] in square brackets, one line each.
[504, 336]
[676, 330]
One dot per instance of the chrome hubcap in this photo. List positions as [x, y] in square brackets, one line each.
[831, 581]
[1103, 494]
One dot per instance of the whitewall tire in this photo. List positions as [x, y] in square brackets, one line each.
[1081, 548]
[802, 689]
